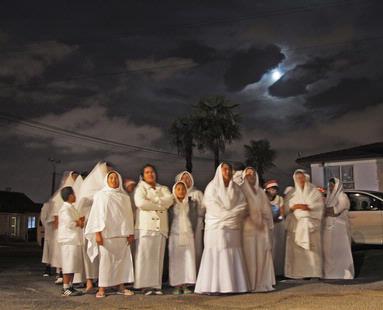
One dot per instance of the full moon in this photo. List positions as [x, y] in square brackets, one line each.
[276, 75]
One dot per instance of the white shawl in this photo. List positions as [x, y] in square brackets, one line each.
[307, 221]
[111, 214]
[194, 193]
[93, 183]
[225, 206]
[259, 205]
[338, 200]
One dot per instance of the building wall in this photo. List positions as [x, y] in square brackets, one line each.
[368, 174]
[21, 227]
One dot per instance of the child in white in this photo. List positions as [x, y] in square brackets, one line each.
[69, 236]
[182, 258]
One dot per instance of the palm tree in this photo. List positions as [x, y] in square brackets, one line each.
[259, 155]
[181, 132]
[215, 124]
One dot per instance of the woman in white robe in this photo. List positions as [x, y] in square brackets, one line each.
[56, 203]
[303, 242]
[110, 231]
[223, 266]
[257, 234]
[152, 201]
[196, 199]
[46, 259]
[92, 184]
[182, 258]
[337, 255]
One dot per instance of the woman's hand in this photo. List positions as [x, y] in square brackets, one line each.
[130, 239]
[99, 239]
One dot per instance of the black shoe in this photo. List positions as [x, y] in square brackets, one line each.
[71, 292]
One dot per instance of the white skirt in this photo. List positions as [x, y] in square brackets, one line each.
[182, 263]
[46, 252]
[90, 270]
[116, 264]
[149, 260]
[222, 268]
[337, 255]
[72, 262]
[259, 260]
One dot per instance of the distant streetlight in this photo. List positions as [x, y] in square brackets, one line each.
[54, 162]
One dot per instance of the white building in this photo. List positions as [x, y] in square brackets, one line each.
[358, 167]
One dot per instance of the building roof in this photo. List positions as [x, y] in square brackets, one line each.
[367, 151]
[14, 202]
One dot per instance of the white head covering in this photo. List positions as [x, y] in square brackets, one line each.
[180, 175]
[226, 194]
[259, 204]
[181, 210]
[115, 199]
[332, 197]
[93, 183]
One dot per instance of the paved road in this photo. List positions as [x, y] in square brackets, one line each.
[23, 287]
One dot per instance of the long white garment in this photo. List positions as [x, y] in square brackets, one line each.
[337, 255]
[182, 260]
[279, 240]
[151, 232]
[70, 236]
[196, 197]
[303, 242]
[223, 267]
[111, 214]
[48, 227]
[92, 184]
[257, 236]
[55, 204]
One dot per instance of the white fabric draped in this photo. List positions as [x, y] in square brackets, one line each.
[337, 255]
[223, 267]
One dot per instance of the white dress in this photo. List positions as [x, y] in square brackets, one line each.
[223, 266]
[337, 255]
[111, 214]
[182, 258]
[303, 241]
[257, 237]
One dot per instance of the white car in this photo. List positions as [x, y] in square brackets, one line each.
[366, 216]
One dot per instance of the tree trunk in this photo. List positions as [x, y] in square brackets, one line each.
[189, 163]
[216, 157]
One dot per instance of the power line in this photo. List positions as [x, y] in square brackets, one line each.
[64, 132]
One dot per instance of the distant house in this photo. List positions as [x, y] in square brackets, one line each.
[19, 216]
[359, 167]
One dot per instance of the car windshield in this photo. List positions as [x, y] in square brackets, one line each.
[378, 194]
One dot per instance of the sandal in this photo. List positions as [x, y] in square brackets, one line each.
[100, 295]
[125, 292]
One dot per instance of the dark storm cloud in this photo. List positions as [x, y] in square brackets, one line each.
[348, 95]
[295, 81]
[195, 50]
[247, 66]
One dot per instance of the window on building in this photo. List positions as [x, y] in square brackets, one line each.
[345, 173]
[13, 226]
[31, 222]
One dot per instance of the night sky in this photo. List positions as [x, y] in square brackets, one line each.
[308, 76]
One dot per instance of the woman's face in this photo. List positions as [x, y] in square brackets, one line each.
[180, 191]
[250, 175]
[113, 181]
[187, 180]
[227, 172]
[331, 186]
[149, 175]
[301, 179]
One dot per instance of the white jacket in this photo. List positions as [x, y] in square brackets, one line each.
[68, 231]
[152, 207]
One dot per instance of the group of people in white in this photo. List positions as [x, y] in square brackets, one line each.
[233, 238]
